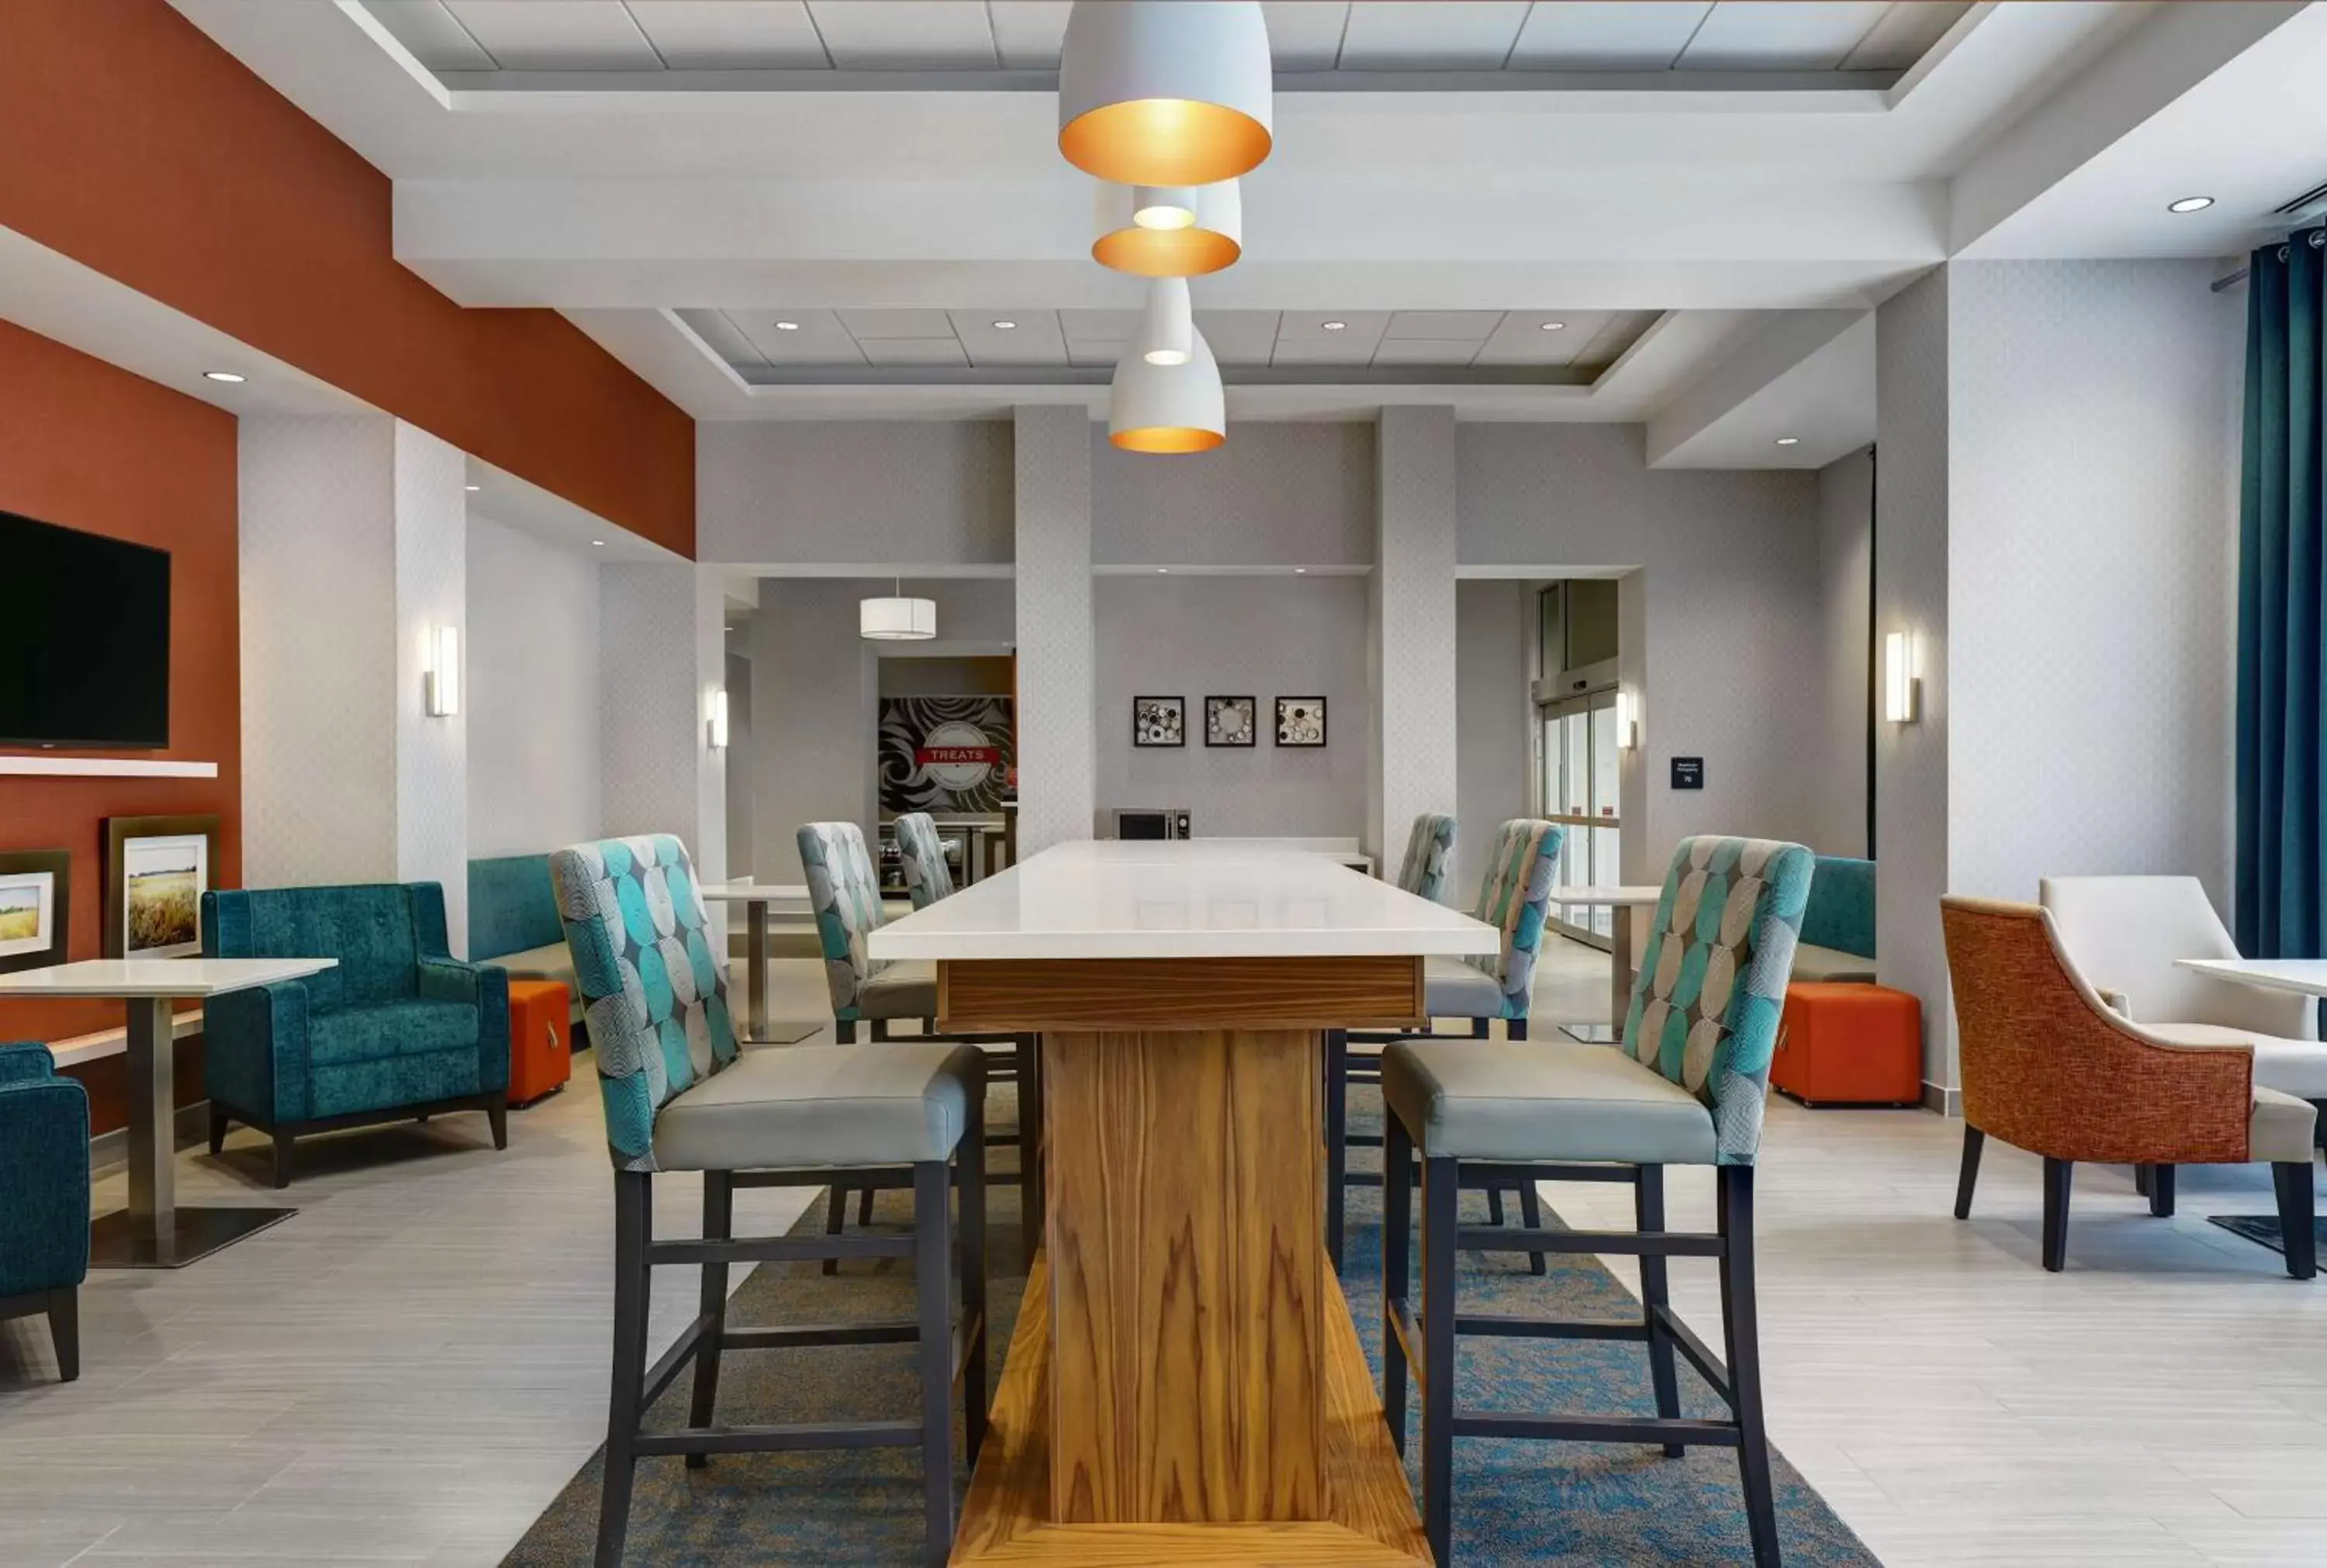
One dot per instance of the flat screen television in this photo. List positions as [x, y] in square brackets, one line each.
[84, 638]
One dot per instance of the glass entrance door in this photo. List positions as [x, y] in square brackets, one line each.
[1578, 790]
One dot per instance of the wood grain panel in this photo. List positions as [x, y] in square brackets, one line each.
[1370, 1520]
[1184, 1228]
[1329, 993]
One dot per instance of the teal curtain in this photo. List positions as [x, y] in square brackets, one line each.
[2282, 766]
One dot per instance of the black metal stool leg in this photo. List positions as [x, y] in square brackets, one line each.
[2297, 1213]
[1440, 1197]
[718, 1225]
[836, 1216]
[1740, 1323]
[1397, 1269]
[1494, 1205]
[1531, 1215]
[1337, 1131]
[1656, 1293]
[633, 1230]
[970, 1165]
[933, 1285]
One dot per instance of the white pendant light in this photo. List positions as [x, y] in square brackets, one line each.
[1167, 328]
[897, 618]
[1170, 231]
[1168, 408]
[1161, 92]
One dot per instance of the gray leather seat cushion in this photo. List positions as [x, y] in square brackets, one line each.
[2280, 1129]
[550, 962]
[1454, 989]
[1534, 1100]
[2293, 1067]
[1831, 965]
[905, 989]
[823, 1105]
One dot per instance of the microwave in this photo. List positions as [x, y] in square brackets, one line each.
[1151, 822]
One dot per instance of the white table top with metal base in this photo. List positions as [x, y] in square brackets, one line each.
[154, 1232]
[1620, 954]
[757, 899]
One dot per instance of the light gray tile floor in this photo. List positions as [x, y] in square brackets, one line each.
[407, 1372]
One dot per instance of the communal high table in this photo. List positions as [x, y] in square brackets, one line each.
[1184, 1383]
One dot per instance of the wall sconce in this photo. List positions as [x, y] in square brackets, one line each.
[1902, 688]
[444, 677]
[718, 720]
[1628, 722]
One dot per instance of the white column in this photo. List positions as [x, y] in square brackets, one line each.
[353, 550]
[1057, 765]
[432, 592]
[1411, 657]
[660, 658]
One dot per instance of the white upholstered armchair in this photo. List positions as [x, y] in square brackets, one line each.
[2123, 934]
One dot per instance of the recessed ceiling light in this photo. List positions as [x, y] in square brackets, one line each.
[229, 377]
[1789, 441]
[1334, 326]
[1163, 569]
[1005, 326]
[598, 541]
[474, 488]
[1300, 571]
[788, 326]
[2189, 204]
[1549, 326]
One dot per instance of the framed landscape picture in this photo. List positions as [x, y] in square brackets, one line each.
[1159, 720]
[156, 870]
[35, 886]
[1230, 721]
[1301, 721]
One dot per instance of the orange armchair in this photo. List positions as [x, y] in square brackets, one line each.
[2048, 1068]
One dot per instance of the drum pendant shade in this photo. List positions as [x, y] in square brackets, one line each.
[1162, 92]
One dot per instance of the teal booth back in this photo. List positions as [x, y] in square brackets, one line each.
[513, 909]
[1841, 911]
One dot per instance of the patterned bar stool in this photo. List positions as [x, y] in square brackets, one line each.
[1686, 1087]
[845, 895]
[1515, 897]
[679, 1098]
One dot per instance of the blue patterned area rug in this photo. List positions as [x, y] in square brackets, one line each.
[1560, 1505]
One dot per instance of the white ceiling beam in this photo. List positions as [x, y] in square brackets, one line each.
[1808, 380]
[2173, 51]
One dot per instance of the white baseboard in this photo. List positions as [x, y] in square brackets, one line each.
[1941, 1100]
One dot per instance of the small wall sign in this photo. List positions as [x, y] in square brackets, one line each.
[1689, 772]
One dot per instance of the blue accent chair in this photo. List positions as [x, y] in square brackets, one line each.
[399, 1030]
[44, 1196]
[1837, 941]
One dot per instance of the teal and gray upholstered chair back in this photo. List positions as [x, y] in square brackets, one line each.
[1712, 984]
[1840, 914]
[1428, 848]
[1515, 898]
[846, 897]
[921, 854]
[653, 981]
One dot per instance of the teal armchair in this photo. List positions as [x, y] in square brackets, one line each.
[44, 1196]
[397, 1030]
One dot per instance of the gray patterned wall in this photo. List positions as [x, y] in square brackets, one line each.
[1719, 606]
[930, 491]
[319, 653]
[1911, 594]
[1058, 770]
[1275, 494]
[1845, 560]
[533, 693]
[662, 655]
[432, 754]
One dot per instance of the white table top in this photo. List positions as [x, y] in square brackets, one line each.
[751, 892]
[1109, 898]
[1647, 894]
[148, 977]
[2308, 976]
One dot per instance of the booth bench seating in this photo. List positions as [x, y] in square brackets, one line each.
[1838, 945]
[513, 923]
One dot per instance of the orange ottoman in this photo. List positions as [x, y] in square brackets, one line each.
[1849, 1045]
[540, 1049]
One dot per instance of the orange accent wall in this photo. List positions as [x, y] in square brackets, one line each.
[89, 446]
[133, 143]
